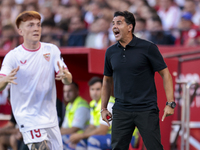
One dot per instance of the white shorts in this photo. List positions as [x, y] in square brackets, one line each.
[51, 135]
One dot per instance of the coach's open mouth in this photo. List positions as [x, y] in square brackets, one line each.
[116, 32]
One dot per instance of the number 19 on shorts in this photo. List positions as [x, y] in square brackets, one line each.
[35, 133]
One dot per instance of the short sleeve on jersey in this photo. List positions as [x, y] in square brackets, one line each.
[155, 58]
[107, 65]
[8, 64]
[81, 117]
[57, 58]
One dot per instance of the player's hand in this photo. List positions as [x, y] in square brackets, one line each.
[63, 74]
[168, 111]
[106, 116]
[11, 76]
[75, 138]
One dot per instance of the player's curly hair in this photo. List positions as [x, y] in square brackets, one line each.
[27, 15]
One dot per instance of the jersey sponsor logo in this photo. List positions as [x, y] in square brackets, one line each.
[47, 56]
[23, 62]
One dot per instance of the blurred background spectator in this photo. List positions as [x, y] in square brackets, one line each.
[157, 35]
[77, 31]
[185, 25]
[169, 13]
[98, 34]
[8, 38]
[140, 28]
[190, 6]
[49, 33]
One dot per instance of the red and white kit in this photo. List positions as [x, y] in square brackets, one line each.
[33, 99]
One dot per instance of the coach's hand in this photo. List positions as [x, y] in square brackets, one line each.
[106, 116]
[168, 111]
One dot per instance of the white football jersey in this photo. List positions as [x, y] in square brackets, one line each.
[33, 99]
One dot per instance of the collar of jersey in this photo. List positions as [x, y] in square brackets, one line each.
[30, 49]
[131, 43]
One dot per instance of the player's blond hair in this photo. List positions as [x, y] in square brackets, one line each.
[27, 15]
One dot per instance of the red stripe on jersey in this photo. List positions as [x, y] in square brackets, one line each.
[30, 49]
[64, 68]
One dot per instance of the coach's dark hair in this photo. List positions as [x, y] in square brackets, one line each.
[129, 17]
[93, 80]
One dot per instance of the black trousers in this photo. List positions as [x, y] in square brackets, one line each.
[124, 123]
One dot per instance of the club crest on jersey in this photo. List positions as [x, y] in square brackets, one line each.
[23, 62]
[47, 56]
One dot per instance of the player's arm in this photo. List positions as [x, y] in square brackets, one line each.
[3, 83]
[168, 86]
[106, 92]
[91, 130]
[68, 130]
[76, 137]
[4, 80]
[101, 130]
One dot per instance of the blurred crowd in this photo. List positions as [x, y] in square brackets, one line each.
[89, 22]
